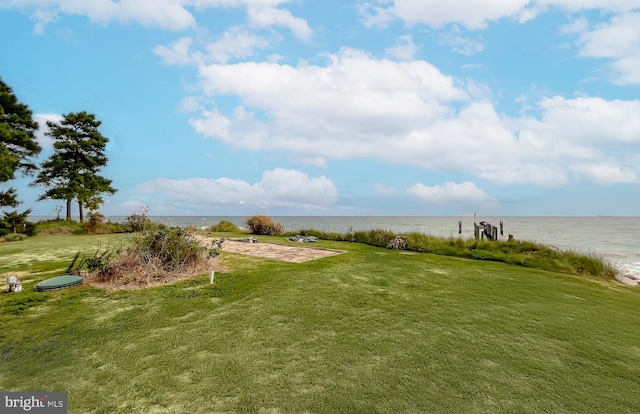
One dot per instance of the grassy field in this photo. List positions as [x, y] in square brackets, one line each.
[371, 330]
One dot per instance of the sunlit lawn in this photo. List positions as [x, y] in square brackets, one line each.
[371, 330]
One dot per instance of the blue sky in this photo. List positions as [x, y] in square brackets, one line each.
[379, 107]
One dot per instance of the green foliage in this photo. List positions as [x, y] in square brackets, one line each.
[12, 237]
[264, 225]
[75, 265]
[224, 226]
[17, 142]
[96, 225]
[368, 331]
[56, 227]
[348, 236]
[173, 246]
[98, 262]
[521, 253]
[72, 171]
[138, 220]
[155, 253]
[59, 227]
[15, 222]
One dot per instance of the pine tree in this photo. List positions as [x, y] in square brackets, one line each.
[17, 148]
[71, 172]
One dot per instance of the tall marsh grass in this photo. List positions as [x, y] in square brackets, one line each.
[516, 252]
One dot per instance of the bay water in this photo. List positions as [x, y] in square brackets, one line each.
[616, 239]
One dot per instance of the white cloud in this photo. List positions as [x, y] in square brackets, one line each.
[460, 44]
[271, 16]
[178, 53]
[235, 43]
[618, 41]
[165, 14]
[384, 189]
[42, 19]
[451, 193]
[45, 141]
[607, 172]
[375, 16]
[353, 96]
[477, 14]
[358, 107]
[471, 14]
[191, 104]
[586, 122]
[580, 5]
[129, 206]
[405, 49]
[579, 25]
[279, 187]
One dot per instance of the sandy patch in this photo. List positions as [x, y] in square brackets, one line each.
[286, 253]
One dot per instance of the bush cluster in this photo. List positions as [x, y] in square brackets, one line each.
[94, 225]
[157, 253]
[12, 237]
[264, 225]
[17, 223]
[224, 226]
[137, 220]
[57, 227]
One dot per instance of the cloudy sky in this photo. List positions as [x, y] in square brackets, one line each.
[337, 107]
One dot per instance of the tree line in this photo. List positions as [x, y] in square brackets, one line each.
[71, 173]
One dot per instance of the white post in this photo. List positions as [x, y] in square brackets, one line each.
[211, 277]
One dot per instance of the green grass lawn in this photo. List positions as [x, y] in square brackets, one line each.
[371, 330]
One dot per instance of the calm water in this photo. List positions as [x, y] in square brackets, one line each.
[615, 238]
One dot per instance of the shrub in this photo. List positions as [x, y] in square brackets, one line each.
[264, 225]
[138, 220]
[59, 227]
[157, 253]
[224, 226]
[15, 222]
[96, 225]
[12, 237]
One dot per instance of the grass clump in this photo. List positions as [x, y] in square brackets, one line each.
[57, 227]
[95, 224]
[13, 237]
[264, 225]
[335, 236]
[224, 227]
